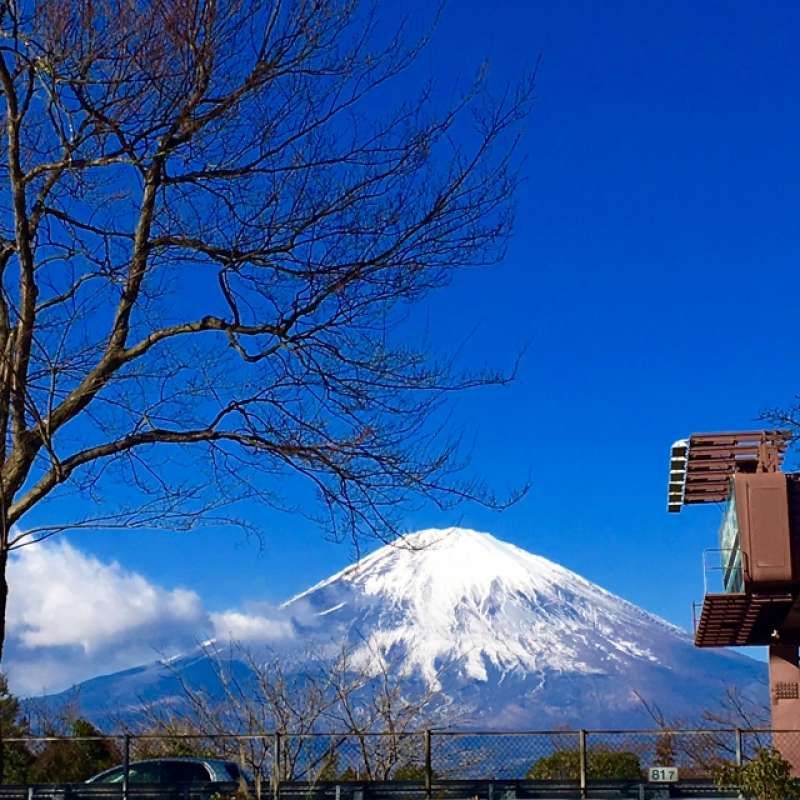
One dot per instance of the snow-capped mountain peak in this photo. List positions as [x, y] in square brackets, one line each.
[461, 600]
[504, 638]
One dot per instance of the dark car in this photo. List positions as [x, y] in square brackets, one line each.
[174, 770]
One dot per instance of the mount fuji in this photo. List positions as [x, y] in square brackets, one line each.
[505, 638]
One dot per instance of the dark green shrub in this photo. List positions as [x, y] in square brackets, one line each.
[73, 762]
[602, 764]
[561, 765]
[410, 772]
[15, 757]
[609, 764]
[766, 776]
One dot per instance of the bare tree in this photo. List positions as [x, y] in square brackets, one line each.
[716, 745]
[309, 719]
[217, 215]
[254, 697]
[382, 720]
[785, 418]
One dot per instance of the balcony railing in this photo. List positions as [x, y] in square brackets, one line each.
[724, 570]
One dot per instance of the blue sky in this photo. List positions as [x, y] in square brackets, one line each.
[653, 277]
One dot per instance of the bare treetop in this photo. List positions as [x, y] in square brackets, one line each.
[216, 217]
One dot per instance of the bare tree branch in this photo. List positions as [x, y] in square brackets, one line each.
[211, 255]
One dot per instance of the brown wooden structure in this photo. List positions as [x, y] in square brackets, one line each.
[759, 553]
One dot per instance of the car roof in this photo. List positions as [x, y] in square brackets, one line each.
[214, 763]
[192, 759]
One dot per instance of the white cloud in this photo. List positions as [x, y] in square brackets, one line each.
[61, 596]
[250, 628]
[72, 616]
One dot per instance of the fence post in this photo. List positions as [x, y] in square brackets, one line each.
[582, 760]
[126, 765]
[738, 747]
[428, 767]
[276, 768]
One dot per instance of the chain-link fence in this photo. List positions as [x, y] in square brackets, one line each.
[499, 756]
[697, 754]
[787, 743]
[274, 762]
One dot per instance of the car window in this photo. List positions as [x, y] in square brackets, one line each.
[232, 770]
[114, 776]
[184, 772]
[145, 773]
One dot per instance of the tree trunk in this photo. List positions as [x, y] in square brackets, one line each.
[3, 598]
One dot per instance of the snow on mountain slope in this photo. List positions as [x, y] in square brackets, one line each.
[506, 638]
[461, 597]
[510, 638]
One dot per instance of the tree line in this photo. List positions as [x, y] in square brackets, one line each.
[52, 761]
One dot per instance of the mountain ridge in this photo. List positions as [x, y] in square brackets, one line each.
[506, 638]
[441, 587]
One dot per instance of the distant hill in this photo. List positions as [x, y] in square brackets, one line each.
[508, 639]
